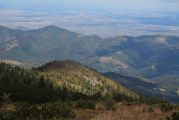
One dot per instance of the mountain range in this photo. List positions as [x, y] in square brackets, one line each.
[153, 58]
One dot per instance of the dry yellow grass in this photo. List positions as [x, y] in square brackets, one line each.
[123, 112]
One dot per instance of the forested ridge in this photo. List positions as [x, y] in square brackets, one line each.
[32, 94]
[26, 94]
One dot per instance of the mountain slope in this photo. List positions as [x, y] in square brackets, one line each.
[58, 80]
[76, 77]
[133, 82]
[50, 43]
[145, 87]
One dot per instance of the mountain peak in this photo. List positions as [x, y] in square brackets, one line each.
[68, 65]
[52, 27]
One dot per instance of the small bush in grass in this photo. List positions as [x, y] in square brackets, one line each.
[166, 107]
[57, 110]
[110, 103]
[30, 112]
[86, 104]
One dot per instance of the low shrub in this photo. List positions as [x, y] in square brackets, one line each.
[110, 103]
[86, 104]
[57, 110]
[166, 107]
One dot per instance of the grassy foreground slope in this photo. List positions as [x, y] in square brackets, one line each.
[50, 92]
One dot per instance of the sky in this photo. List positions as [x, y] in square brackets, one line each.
[118, 5]
[101, 17]
[127, 5]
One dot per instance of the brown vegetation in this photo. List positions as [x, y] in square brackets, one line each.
[122, 111]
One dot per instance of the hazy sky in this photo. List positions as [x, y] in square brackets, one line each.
[101, 17]
[126, 5]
